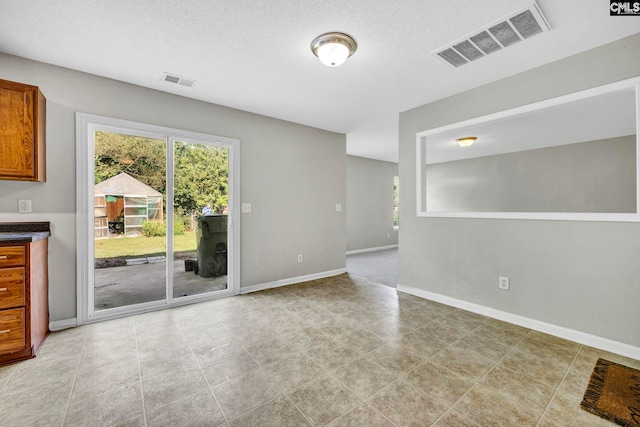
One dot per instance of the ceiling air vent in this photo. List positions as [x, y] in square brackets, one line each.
[172, 78]
[494, 37]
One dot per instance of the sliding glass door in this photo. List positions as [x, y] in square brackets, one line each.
[159, 223]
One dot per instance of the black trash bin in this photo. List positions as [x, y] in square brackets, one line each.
[211, 235]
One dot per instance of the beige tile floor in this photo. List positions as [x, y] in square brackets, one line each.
[338, 352]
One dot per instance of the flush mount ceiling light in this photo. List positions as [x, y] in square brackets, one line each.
[466, 141]
[333, 48]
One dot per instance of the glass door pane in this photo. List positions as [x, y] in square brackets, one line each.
[200, 209]
[130, 245]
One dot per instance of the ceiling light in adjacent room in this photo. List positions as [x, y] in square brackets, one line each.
[333, 49]
[466, 141]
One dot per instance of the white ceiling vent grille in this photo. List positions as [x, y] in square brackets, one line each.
[172, 78]
[497, 36]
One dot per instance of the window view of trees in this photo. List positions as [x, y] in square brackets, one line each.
[142, 158]
[201, 171]
[201, 177]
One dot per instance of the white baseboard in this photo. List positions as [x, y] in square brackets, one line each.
[558, 331]
[58, 325]
[379, 248]
[291, 281]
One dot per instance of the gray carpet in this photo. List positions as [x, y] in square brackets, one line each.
[379, 266]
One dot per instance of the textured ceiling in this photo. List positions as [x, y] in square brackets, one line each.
[255, 55]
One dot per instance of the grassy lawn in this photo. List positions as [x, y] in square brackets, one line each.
[137, 246]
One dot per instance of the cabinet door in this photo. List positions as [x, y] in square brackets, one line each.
[20, 133]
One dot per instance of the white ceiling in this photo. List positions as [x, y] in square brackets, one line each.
[255, 55]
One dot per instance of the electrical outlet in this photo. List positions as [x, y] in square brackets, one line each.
[503, 283]
[300, 257]
[24, 205]
[246, 208]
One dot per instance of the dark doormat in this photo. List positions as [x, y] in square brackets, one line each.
[614, 393]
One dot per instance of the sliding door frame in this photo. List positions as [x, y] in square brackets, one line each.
[86, 126]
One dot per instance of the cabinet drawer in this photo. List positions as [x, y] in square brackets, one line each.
[12, 287]
[11, 256]
[12, 330]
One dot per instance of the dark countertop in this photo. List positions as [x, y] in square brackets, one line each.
[20, 232]
[23, 237]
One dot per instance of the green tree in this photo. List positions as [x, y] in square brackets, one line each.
[142, 158]
[201, 177]
[201, 172]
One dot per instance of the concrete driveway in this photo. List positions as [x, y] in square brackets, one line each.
[135, 284]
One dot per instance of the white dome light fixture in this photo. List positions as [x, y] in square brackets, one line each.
[333, 49]
[466, 141]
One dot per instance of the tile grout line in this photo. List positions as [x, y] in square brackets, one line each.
[532, 332]
[363, 400]
[400, 378]
[327, 372]
[75, 377]
[330, 375]
[13, 371]
[331, 371]
[226, 419]
[481, 377]
[450, 407]
[284, 393]
[135, 334]
[367, 404]
[564, 377]
[365, 355]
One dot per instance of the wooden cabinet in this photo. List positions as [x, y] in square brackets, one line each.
[22, 132]
[24, 308]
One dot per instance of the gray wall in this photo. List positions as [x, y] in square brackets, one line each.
[579, 275]
[370, 203]
[595, 176]
[283, 175]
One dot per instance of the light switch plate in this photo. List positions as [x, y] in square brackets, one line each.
[24, 205]
[338, 207]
